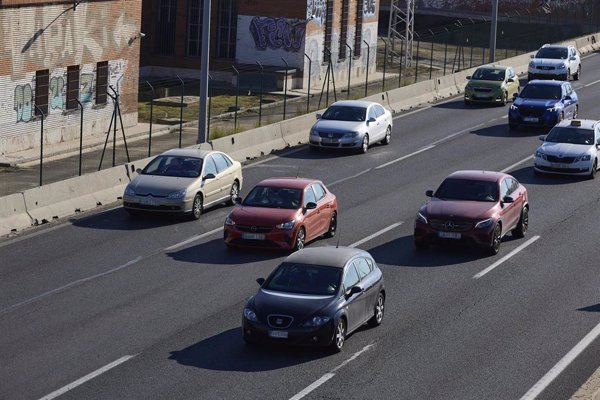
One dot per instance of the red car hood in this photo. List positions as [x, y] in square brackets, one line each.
[469, 210]
[262, 216]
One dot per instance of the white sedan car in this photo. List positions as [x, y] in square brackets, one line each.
[555, 62]
[352, 124]
[571, 147]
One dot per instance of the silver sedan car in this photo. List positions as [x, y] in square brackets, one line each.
[184, 181]
[352, 124]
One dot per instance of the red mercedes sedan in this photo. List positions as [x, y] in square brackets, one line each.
[282, 213]
[476, 207]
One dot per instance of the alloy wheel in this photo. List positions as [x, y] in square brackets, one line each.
[300, 238]
[234, 193]
[197, 207]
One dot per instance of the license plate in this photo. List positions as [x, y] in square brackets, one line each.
[149, 202]
[449, 235]
[531, 119]
[253, 236]
[278, 334]
[558, 165]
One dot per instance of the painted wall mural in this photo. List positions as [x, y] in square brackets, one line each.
[369, 8]
[278, 33]
[316, 10]
[23, 102]
[86, 91]
[57, 92]
[532, 6]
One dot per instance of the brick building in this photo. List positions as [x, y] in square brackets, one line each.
[246, 31]
[56, 53]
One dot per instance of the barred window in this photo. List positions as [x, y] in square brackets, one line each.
[328, 29]
[194, 28]
[165, 27]
[344, 29]
[101, 82]
[72, 87]
[227, 28]
[41, 91]
[358, 30]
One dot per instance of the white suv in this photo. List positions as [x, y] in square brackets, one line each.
[555, 62]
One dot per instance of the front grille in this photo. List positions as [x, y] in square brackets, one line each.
[330, 144]
[563, 160]
[532, 112]
[279, 321]
[151, 208]
[565, 170]
[253, 228]
[331, 135]
[450, 225]
[482, 90]
[158, 196]
[266, 244]
[546, 68]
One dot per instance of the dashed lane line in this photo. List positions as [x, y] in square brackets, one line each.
[506, 257]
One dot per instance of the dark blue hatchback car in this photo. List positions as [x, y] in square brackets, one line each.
[543, 104]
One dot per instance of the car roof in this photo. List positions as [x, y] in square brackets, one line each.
[287, 182]
[547, 82]
[480, 175]
[328, 256]
[494, 66]
[555, 46]
[579, 123]
[187, 152]
[354, 103]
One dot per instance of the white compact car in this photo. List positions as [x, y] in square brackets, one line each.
[555, 62]
[571, 147]
[351, 124]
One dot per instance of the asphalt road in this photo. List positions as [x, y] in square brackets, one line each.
[151, 308]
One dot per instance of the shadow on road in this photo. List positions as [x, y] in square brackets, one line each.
[228, 352]
[594, 308]
[215, 252]
[526, 175]
[119, 219]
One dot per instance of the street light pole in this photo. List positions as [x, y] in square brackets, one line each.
[493, 29]
[204, 66]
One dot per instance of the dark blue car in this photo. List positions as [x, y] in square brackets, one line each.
[543, 104]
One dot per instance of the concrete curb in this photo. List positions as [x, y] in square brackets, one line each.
[13, 214]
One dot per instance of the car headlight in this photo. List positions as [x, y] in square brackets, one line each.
[314, 132]
[486, 223]
[129, 191]
[539, 154]
[513, 107]
[562, 66]
[229, 221]
[421, 217]
[584, 157]
[552, 109]
[316, 321]
[351, 134]
[286, 225]
[468, 86]
[180, 194]
[531, 64]
[250, 315]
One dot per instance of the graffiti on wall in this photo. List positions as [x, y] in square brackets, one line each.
[278, 33]
[23, 102]
[57, 92]
[86, 83]
[369, 8]
[316, 10]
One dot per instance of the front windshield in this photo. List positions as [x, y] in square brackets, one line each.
[176, 166]
[274, 197]
[467, 189]
[304, 279]
[546, 92]
[570, 135]
[345, 113]
[552, 52]
[487, 74]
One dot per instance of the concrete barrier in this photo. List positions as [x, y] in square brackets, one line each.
[82, 193]
[13, 214]
[296, 130]
[445, 86]
[410, 96]
[252, 143]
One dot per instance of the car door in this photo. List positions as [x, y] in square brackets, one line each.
[368, 285]
[513, 87]
[354, 302]
[382, 120]
[210, 186]
[510, 211]
[375, 126]
[569, 101]
[311, 217]
[224, 175]
[323, 209]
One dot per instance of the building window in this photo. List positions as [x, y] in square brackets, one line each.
[72, 87]
[227, 28]
[41, 91]
[344, 29]
[165, 27]
[101, 82]
[194, 28]
[358, 30]
[328, 29]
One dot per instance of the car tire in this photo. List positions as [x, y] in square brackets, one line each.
[378, 311]
[577, 74]
[300, 239]
[339, 336]
[594, 170]
[364, 147]
[332, 226]
[496, 240]
[523, 224]
[504, 99]
[197, 207]
[388, 136]
[529, 77]
[233, 193]
[467, 103]
[576, 112]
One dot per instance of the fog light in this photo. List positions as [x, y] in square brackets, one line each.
[315, 339]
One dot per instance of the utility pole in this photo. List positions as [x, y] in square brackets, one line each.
[493, 30]
[204, 66]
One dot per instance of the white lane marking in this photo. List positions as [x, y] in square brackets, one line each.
[506, 257]
[547, 379]
[69, 285]
[86, 378]
[592, 83]
[349, 177]
[516, 164]
[378, 233]
[458, 133]
[285, 153]
[193, 239]
[328, 375]
[405, 157]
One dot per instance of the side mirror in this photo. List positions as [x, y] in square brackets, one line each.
[354, 290]
[542, 138]
[510, 80]
[531, 55]
[139, 170]
[371, 120]
[209, 176]
[310, 205]
[508, 199]
[568, 98]
[260, 281]
[573, 58]
[429, 193]
[319, 116]
[515, 95]
[468, 77]
[238, 200]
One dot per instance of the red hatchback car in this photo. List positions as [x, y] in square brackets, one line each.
[282, 213]
[477, 207]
